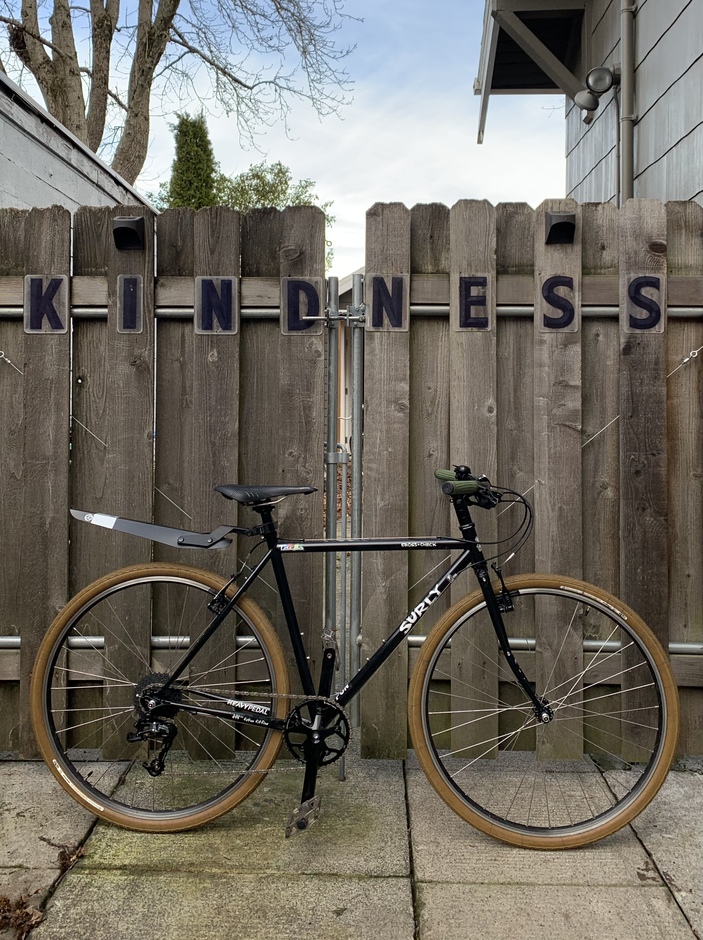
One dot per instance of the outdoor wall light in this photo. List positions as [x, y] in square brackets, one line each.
[586, 100]
[598, 81]
[128, 233]
[601, 79]
[559, 228]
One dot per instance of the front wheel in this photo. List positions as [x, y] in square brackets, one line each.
[108, 654]
[614, 714]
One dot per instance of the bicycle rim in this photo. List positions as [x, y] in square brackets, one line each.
[601, 758]
[118, 638]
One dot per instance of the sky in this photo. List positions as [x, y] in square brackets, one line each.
[409, 135]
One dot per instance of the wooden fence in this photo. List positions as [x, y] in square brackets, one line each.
[591, 405]
[228, 406]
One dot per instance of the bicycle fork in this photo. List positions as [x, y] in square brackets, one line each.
[542, 709]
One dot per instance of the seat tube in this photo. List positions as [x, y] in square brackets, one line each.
[287, 604]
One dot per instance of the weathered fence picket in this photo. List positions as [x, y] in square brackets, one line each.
[386, 484]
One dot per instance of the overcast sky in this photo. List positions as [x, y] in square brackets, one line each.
[410, 133]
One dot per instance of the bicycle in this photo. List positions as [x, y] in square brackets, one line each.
[160, 695]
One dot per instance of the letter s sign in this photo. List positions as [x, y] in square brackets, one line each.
[639, 301]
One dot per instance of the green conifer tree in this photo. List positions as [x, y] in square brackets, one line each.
[192, 184]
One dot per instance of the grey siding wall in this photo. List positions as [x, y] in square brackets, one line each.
[668, 83]
[41, 164]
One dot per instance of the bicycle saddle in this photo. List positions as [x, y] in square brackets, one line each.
[253, 495]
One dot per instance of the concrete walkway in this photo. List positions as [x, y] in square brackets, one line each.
[385, 860]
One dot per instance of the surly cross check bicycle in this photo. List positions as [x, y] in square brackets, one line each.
[160, 695]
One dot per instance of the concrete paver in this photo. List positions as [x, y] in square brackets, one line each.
[128, 903]
[446, 849]
[548, 912]
[672, 829]
[357, 833]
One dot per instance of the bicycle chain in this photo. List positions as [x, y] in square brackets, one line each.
[299, 697]
[289, 696]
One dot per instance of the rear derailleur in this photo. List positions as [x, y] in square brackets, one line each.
[154, 723]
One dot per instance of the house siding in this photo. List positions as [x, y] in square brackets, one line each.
[668, 79]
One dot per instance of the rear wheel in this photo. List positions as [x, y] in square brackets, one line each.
[611, 739]
[111, 650]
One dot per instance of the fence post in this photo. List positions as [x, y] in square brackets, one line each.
[684, 223]
[197, 390]
[515, 247]
[113, 395]
[282, 403]
[473, 427]
[600, 351]
[428, 508]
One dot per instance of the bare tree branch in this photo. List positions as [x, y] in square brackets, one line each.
[226, 73]
[68, 88]
[104, 22]
[151, 43]
[111, 95]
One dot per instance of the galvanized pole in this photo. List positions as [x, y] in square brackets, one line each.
[356, 323]
[331, 455]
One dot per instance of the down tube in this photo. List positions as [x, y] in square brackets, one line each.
[372, 665]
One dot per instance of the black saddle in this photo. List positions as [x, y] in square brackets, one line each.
[256, 495]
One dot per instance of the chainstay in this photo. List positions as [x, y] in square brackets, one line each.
[300, 697]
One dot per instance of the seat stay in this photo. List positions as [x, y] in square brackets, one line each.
[217, 620]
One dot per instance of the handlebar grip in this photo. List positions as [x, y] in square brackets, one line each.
[461, 487]
[454, 487]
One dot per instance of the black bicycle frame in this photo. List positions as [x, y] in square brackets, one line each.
[471, 556]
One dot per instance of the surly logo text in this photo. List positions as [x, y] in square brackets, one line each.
[413, 617]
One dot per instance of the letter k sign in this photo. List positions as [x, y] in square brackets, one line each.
[45, 304]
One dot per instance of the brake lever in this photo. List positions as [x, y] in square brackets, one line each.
[487, 497]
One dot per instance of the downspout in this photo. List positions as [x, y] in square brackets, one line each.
[627, 99]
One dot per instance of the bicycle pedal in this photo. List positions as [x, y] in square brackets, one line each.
[303, 816]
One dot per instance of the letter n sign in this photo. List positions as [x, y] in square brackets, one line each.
[216, 305]
[302, 305]
[387, 302]
[46, 304]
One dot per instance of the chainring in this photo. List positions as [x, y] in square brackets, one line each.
[333, 729]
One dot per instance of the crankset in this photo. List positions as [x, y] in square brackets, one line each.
[320, 722]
